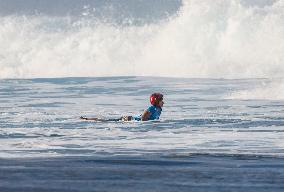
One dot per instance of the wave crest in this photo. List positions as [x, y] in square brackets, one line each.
[220, 39]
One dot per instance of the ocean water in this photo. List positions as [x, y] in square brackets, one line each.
[219, 65]
[209, 135]
[40, 117]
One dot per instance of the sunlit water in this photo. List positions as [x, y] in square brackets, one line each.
[40, 117]
[214, 134]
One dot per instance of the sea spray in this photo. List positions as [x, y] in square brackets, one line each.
[220, 39]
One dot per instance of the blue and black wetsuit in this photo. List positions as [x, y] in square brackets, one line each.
[155, 112]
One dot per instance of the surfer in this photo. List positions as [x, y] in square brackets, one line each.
[152, 113]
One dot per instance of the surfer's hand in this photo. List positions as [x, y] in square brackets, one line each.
[126, 118]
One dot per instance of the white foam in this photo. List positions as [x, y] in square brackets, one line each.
[222, 39]
[268, 91]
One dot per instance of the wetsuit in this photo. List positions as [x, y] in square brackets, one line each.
[155, 112]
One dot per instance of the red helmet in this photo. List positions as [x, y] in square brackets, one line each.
[156, 97]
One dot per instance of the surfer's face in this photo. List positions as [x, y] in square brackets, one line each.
[161, 103]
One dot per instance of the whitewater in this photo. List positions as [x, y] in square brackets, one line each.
[222, 39]
[219, 65]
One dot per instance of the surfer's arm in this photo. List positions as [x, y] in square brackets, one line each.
[145, 116]
[95, 119]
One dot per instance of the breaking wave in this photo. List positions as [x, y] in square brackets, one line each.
[220, 39]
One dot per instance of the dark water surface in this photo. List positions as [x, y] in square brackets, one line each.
[176, 173]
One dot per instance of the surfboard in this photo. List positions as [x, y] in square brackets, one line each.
[98, 119]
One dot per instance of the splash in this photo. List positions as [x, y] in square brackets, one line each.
[273, 90]
[220, 39]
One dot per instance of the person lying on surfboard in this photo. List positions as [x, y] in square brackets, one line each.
[152, 113]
